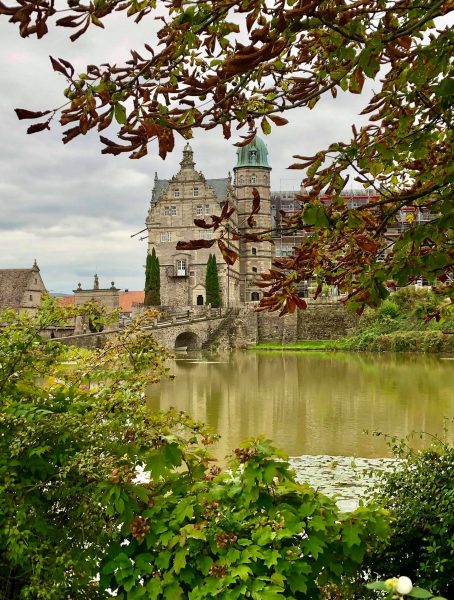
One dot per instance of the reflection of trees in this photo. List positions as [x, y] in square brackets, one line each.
[314, 403]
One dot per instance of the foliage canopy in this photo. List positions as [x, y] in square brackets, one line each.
[221, 62]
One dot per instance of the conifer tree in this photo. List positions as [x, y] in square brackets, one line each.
[213, 296]
[152, 280]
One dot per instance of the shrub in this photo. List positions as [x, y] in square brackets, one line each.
[389, 309]
[420, 497]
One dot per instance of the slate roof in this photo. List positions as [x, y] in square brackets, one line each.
[159, 186]
[219, 186]
[13, 285]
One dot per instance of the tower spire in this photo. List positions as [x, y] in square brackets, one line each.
[188, 156]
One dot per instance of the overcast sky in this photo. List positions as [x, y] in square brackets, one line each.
[74, 209]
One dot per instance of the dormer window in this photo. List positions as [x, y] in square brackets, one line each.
[253, 178]
[176, 193]
[195, 191]
[253, 156]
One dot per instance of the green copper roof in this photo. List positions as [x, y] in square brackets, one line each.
[253, 155]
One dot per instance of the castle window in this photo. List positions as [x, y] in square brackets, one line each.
[207, 209]
[254, 251]
[199, 210]
[169, 236]
[31, 297]
[265, 180]
[192, 273]
[241, 180]
[255, 296]
[166, 211]
[195, 192]
[278, 252]
[253, 178]
[174, 211]
[36, 280]
[176, 193]
[254, 269]
[163, 236]
[201, 235]
[290, 206]
[181, 268]
[209, 235]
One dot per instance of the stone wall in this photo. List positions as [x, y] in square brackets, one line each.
[321, 321]
[325, 322]
[88, 340]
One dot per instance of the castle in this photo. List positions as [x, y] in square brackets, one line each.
[175, 203]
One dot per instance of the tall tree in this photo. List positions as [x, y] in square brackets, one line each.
[213, 295]
[290, 55]
[152, 280]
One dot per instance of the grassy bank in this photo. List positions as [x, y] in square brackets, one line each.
[397, 326]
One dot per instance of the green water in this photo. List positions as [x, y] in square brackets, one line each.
[311, 402]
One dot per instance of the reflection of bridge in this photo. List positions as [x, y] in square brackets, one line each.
[189, 329]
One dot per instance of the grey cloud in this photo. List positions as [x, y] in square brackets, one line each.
[72, 208]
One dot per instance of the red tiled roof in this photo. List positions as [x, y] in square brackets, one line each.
[127, 298]
[66, 301]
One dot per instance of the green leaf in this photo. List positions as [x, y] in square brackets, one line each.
[350, 535]
[243, 571]
[205, 563]
[179, 561]
[120, 113]
[377, 585]
[268, 593]
[418, 592]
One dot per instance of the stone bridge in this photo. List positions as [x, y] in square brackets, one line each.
[187, 329]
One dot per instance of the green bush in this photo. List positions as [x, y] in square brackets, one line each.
[77, 522]
[419, 494]
[389, 309]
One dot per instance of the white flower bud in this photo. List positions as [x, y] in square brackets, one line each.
[404, 585]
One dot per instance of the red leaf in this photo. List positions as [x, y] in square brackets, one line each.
[68, 65]
[58, 67]
[229, 255]
[22, 113]
[195, 244]
[226, 130]
[38, 127]
[278, 120]
[202, 223]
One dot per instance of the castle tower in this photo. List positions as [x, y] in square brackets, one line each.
[253, 171]
[175, 204]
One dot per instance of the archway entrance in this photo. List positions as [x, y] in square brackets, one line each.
[188, 340]
[200, 300]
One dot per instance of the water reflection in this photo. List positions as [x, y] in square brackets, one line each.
[311, 403]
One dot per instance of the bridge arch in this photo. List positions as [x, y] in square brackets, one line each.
[189, 340]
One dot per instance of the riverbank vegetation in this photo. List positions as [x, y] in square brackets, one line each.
[398, 325]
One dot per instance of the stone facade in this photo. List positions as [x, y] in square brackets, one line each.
[188, 196]
[108, 297]
[21, 289]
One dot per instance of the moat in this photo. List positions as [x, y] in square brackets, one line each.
[311, 403]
